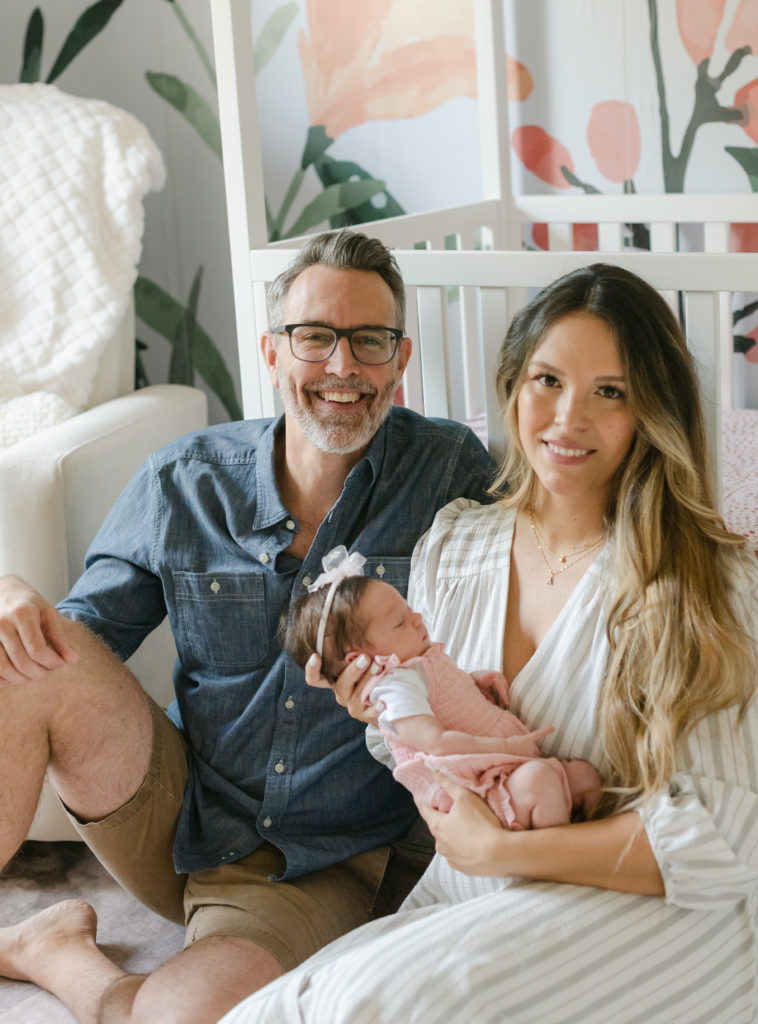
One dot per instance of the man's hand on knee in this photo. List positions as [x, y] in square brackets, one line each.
[32, 634]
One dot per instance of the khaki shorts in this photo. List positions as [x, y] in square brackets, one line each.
[291, 920]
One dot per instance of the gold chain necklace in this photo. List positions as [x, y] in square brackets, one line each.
[566, 560]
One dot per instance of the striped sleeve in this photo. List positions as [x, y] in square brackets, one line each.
[704, 827]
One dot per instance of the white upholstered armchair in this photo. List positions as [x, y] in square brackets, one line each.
[72, 428]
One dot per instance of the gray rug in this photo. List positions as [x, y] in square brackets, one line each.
[44, 873]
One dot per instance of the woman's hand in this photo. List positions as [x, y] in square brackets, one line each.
[349, 687]
[467, 835]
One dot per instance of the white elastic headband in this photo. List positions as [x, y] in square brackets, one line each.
[338, 566]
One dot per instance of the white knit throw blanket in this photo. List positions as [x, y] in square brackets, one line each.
[73, 173]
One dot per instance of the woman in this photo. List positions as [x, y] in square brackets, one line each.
[622, 611]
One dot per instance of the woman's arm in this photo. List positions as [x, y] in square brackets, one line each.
[612, 853]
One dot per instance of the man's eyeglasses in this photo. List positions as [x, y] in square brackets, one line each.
[314, 343]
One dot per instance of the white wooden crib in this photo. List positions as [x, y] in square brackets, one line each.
[461, 300]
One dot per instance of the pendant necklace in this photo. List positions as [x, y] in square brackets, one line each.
[575, 553]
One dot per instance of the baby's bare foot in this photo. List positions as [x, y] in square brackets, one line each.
[26, 948]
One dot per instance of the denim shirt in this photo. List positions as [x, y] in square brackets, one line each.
[200, 534]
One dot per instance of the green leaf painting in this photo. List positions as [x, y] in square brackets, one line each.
[272, 34]
[747, 158]
[32, 60]
[164, 314]
[90, 23]
[335, 199]
[190, 104]
[181, 369]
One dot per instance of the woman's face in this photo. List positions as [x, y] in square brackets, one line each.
[574, 420]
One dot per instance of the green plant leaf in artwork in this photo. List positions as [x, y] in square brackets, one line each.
[159, 310]
[743, 344]
[747, 158]
[181, 370]
[334, 200]
[90, 23]
[190, 104]
[35, 31]
[272, 33]
[332, 171]
[316, 144]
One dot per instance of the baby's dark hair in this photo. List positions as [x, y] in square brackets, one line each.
[344, 627]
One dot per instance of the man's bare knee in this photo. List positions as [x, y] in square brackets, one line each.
[204, 981]
[99, 727]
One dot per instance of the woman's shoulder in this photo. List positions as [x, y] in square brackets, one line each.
[466, 535]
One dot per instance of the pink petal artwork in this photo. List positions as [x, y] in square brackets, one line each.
[585, 237]
[350, 79]
[699, 22]
[744, 238]
[518, 79]
[747, 99]
[542, 154]
[539, 236]
[744, 29]
[613, 134]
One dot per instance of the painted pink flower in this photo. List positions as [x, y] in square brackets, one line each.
[744, 28]
[585, 237]
[352, 75]
[519, 79]
[747, 99]
[699, 22]
[613, 134]
[542, 154]
[744, 238]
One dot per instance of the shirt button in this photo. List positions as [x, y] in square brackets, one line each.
[290, 524]
[279, 767]
[265, 558]
[307, 581]
[267, 822]
[289, 703]
[380, 570]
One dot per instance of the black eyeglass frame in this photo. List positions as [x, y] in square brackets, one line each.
[343, 332]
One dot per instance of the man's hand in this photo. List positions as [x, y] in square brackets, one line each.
[32, 634]
[349, 687]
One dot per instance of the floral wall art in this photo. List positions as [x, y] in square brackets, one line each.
[368, 109]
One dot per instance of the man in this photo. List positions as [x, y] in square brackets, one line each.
[253, 813]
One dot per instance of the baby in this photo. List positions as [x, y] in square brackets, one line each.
[432, 713]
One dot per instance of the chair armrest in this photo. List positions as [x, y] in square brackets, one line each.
[57, 487]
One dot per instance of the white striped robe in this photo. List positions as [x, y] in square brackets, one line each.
[496, 951]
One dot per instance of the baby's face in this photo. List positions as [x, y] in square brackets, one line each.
[392, 628]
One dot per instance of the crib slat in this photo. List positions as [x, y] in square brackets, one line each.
[494, 314]
[432, 314]
[702, 315]
[413, 397]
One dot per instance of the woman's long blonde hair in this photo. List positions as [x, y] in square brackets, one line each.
[678, 652]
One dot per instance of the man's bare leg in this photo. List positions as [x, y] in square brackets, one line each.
[56, 950]
[89, 722]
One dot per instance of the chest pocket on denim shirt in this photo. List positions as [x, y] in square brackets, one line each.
[392, 570]
[223, 617]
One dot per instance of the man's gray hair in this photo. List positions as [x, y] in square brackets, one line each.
[341, 250]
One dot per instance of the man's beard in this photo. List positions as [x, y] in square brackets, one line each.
[338, 435]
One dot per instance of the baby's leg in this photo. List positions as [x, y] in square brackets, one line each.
[585, 785]
[538, 797]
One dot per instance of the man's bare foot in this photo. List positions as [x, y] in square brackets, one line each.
[26, 947]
